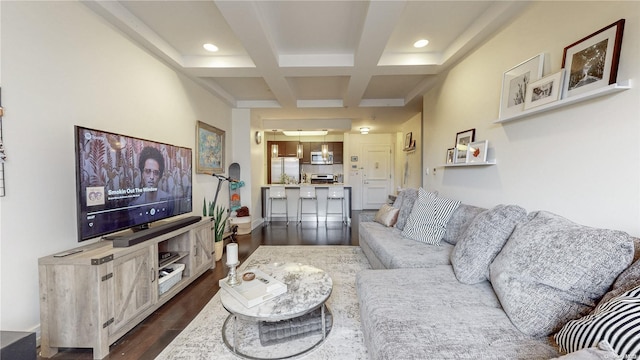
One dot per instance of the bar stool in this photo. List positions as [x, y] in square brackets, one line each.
[278, 193]
[336, 193]
[307, 193]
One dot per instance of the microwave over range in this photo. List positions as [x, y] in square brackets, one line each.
[316, 158]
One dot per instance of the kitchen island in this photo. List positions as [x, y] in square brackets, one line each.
[293, 192]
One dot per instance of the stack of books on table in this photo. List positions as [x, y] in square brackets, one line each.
[261, 288]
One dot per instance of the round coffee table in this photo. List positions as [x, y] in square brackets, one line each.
[282, 327]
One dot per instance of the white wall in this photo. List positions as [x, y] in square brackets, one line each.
[63, 66]
[581, 161]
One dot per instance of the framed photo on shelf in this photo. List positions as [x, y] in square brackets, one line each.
[592, 62]
[450, 155]
[407, 140]
[544, 91]
[463, 139]
[477, 151]
[210, 149]
[514, 85]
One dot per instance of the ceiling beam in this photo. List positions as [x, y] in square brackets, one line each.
[244, 19]
[379, 24]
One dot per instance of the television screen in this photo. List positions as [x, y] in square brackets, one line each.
[124, 182]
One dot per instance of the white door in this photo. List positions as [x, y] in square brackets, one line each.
[376, 175]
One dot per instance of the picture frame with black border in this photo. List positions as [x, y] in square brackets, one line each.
[463, 139]
[514, 85]
[592, 62]
[544, 91]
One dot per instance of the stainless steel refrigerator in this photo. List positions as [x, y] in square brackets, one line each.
[288, 166]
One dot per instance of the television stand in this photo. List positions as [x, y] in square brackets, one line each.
[96, 294]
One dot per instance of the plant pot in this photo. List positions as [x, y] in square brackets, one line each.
[218, 249]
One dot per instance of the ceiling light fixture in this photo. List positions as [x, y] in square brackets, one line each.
[299, 147]
[421, 43]
[305, 133]
[274, 146]
[364, 130]
[210, 47]
[325, 149]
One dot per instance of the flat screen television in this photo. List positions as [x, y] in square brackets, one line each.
[124, 182]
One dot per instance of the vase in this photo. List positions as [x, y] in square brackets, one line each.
[218, 249]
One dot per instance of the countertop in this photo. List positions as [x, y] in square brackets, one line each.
[297, 186]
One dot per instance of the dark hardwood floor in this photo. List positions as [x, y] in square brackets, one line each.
[150, 337]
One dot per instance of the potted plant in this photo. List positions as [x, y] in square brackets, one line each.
[219, 218]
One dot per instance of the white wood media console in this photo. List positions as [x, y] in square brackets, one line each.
[91, 298]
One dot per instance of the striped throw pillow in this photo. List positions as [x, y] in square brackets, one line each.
[428, 219]
[616, 321]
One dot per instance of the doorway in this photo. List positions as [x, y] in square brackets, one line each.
[376, 176]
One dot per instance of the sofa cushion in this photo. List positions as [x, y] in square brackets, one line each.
[627, 280]
[428, 219]
[483, 240]
[428, 314]
[408, 198]
[385, 248]
[617, 322]
[552, 270]
[387, 215]
[460, 221]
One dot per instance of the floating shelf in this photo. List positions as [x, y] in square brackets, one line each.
[613, 88]
[490, 162]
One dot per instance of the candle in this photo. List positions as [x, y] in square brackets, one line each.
[232, 254]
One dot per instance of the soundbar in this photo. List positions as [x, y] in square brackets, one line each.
[143, 235]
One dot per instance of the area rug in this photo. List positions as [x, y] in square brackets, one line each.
[202, 338]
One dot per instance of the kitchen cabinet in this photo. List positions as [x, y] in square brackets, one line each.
[337, 149]
[306, 153]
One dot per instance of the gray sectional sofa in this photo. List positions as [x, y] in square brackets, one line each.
[499, 285]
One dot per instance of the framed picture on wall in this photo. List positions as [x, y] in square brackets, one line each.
[463, 139]
[544, 91]
[407, 140]
[477, 151]
[514, 85]
[450, 154]
[210, 149]
[592, 62]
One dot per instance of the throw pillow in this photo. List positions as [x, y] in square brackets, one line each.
[409, 197]
[483, 240]
[460, 221]
[387, 215]
[602, 351]
[617, 322]
[553, 270]
[429, 216]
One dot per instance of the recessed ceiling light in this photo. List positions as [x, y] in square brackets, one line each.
[210, 47]
[421, 43]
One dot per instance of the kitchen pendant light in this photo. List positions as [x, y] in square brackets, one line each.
[299, 148]
[274, 147]
[325, 149]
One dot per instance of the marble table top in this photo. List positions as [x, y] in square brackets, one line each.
[307, 289]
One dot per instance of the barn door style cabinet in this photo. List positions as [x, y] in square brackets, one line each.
[91, 298]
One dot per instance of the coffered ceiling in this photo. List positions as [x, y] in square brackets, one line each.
[312, 60]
